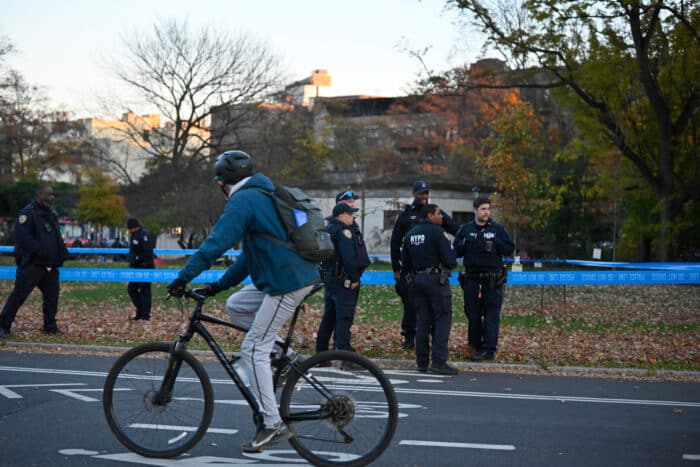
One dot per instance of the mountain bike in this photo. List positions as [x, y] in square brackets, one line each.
[159, 401]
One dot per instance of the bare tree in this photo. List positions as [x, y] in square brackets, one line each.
[24, 131]
[6, 47]
[35, 142]
[184, 74]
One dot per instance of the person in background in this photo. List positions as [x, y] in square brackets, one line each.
[428, 255]
[341, 278]
[347, 196]
[406, 220]
[140, 257]
[483, 243]
[39, 252]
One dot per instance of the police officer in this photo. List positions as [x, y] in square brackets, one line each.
[483, 243]
[347, 196]
[427, 253]
[341, 277]
[140, 257]
[405, 221]
[39, 251]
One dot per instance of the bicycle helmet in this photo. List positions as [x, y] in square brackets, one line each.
[232, 166]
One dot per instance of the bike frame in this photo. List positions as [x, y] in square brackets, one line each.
[197, 317]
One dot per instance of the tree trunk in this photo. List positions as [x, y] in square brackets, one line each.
[668, 209]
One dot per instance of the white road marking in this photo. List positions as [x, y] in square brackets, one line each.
[428, 381]
[430, 392]
[148, 426]
[13, 395]
[201, 461]
[74, 393]
[497, 447]
[177, 438]
[498, 395]
[691, 457]
[53, 371]
[415, 373]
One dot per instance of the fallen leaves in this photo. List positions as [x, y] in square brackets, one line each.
[609, 326]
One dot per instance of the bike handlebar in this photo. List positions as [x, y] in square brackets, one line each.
[190, 293]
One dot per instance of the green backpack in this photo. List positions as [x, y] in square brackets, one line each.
[304, 222]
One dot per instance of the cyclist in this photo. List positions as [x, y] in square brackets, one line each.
[283, 276]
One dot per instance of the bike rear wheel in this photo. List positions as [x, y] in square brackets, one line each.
[342, 409]
[145, 425]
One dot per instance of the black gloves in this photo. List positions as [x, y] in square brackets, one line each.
[177, 288]
[209, 290]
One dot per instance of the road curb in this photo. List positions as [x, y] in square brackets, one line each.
[410, 365]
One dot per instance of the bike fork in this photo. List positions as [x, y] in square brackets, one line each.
[162, 397]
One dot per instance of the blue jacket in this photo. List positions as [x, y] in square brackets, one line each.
[273, 268]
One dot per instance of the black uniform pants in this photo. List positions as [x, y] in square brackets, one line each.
[27, 277]
[408, 320]
[483, 314]
[140, 294]
[338, 315]
[433, 303]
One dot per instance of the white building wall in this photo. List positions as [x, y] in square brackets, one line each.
[371, 215]
[376, 202]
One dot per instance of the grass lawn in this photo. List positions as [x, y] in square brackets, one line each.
[640, 326]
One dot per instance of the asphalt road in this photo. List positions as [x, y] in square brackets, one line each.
[51, 415]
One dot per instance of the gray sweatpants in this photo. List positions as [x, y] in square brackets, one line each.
[263, 315]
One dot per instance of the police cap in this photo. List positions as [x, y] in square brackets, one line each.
[421, 186]
[343, 208]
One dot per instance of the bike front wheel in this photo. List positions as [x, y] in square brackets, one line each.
[151, 422]
[341, 407]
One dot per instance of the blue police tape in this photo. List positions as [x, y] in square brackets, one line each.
[121, 275]
[677, 266]
[124, 251]
[387, 277]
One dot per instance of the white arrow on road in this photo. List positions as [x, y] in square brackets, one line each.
[10, 394]
[74, 393]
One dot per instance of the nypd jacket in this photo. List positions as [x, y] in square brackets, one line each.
[470, 243]
[141, 250]
[350, 250]
[405, 222]
[38, 237]
[273, 268]
[426, 246]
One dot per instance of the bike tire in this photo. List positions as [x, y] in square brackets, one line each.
[365, 409]
[151, 429]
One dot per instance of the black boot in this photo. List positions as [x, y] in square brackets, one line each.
[409, 343]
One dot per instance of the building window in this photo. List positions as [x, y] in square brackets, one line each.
[390, 218]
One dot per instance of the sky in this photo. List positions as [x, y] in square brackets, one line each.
[63, 46]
